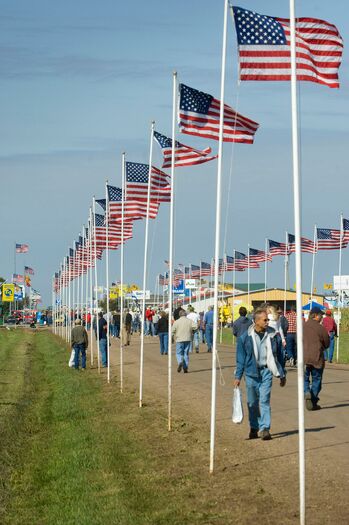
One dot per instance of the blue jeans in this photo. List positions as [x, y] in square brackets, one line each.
[291, 346]
[149, 328]
[209, 336]
[80, 348]
[103, 351]
[258, 399]
[315, 387]
[155, 328]
[163, 337]
[202, 335]
[330, 349]
[195, 341]
[115, 330]
[182, 353]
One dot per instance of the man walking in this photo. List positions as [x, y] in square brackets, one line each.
[291, 337]
[330, 325]
[195, 318]
[182, 331]
[208, 322]
[79, 342]
[103, 327]
[240, 326]
[127, 327]
[259, 357]
[315, 342]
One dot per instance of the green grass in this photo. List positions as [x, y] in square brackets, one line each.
[74, 451]
[227, 339]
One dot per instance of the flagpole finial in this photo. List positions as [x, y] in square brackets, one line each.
[174, 73]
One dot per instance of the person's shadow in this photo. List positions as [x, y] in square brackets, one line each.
[292, 432]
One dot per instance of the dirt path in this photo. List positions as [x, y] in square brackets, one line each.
[263, 474]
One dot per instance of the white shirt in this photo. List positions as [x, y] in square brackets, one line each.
[194, 317]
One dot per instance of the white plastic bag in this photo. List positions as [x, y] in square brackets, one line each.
[72, 359]
[238, 413]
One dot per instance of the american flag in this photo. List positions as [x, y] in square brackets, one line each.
[137, 181]
[161, 280]
[258, 256]
[22, 248]
[199, 115]
[277, 248]
[330, 239]
[133, 209]
[264, 48]
[242, 262]
[102, 203]
[229, 263]
[17, 278]
[206, 269]
[29, 270]
[184, 155]
[346, 230]
[194, 271]
[307, 246]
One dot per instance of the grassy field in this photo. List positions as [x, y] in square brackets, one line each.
[71, 451]
[227, 339]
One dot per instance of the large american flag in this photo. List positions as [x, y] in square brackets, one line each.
[307, 246]
[277, 248]
[133, 209]
[194, 271]
[17, 278]
[330, 239]
[137, 181]
[22, 248]
[184, 155]
[102, 203]
[258, 256]
[264, 48]
[199, 115]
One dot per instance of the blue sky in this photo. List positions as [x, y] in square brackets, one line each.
[81, 82]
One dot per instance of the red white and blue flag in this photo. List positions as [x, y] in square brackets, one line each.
[264, 48]
[277, 248]
[184, 155]
[307, 246]
[22, 248]
[258, 256]
[137, 182]
[29, 270]
[330, 239]
[133, 209]
[17, 278]
[199, 115]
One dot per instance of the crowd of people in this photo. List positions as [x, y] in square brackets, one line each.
[266, 344]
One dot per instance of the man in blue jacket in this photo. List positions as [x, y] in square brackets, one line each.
[259, 357]
[241, 325]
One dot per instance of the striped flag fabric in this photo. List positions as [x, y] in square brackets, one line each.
[133, 209]
[258, 256]
[307, 246]
[330, 239]
[194, 271]
[206, 269]
[184, 155]
[264, 48]
[29, 270]
[22, 248]
[199, 115]
[242, 262]
[137, 181]
[277, 248]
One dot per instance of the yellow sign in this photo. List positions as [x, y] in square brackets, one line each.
[8, 293]
[328, 286]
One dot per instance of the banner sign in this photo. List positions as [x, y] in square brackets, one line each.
[190, 284]
[8, 293]
[341, 282]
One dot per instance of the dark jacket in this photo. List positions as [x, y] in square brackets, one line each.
[176, 313]
[79, 336]
[245, 356]
[241, 325]
[315, 342]
[284, 324]
[163, 325]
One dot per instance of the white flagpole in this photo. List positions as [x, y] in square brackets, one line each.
[53, 303]
[145, 262]
[339, 303]
[96, 283]
[82, 274]
[218, 224]
[313, 263]
[77, 285]
[298, 258]
[248, 275]
[73, 302]
[234, 284]
[285, 269]
[91, 285]
[69, 296]
[87, 271]
[171, 247]
[266, 251]
[107, 275]
[123, 191]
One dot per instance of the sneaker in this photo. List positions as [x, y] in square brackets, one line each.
[185, 370]
[308, 402]
[197, 350]
[253, 433]
[291, 361]
[265, 435]
[180, 366]
[316, 407]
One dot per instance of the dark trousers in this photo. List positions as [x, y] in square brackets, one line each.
[314, 385]
[80, 348]
[291, 346]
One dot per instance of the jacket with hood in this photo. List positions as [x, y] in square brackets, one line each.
[241, 325]
[247, 354]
